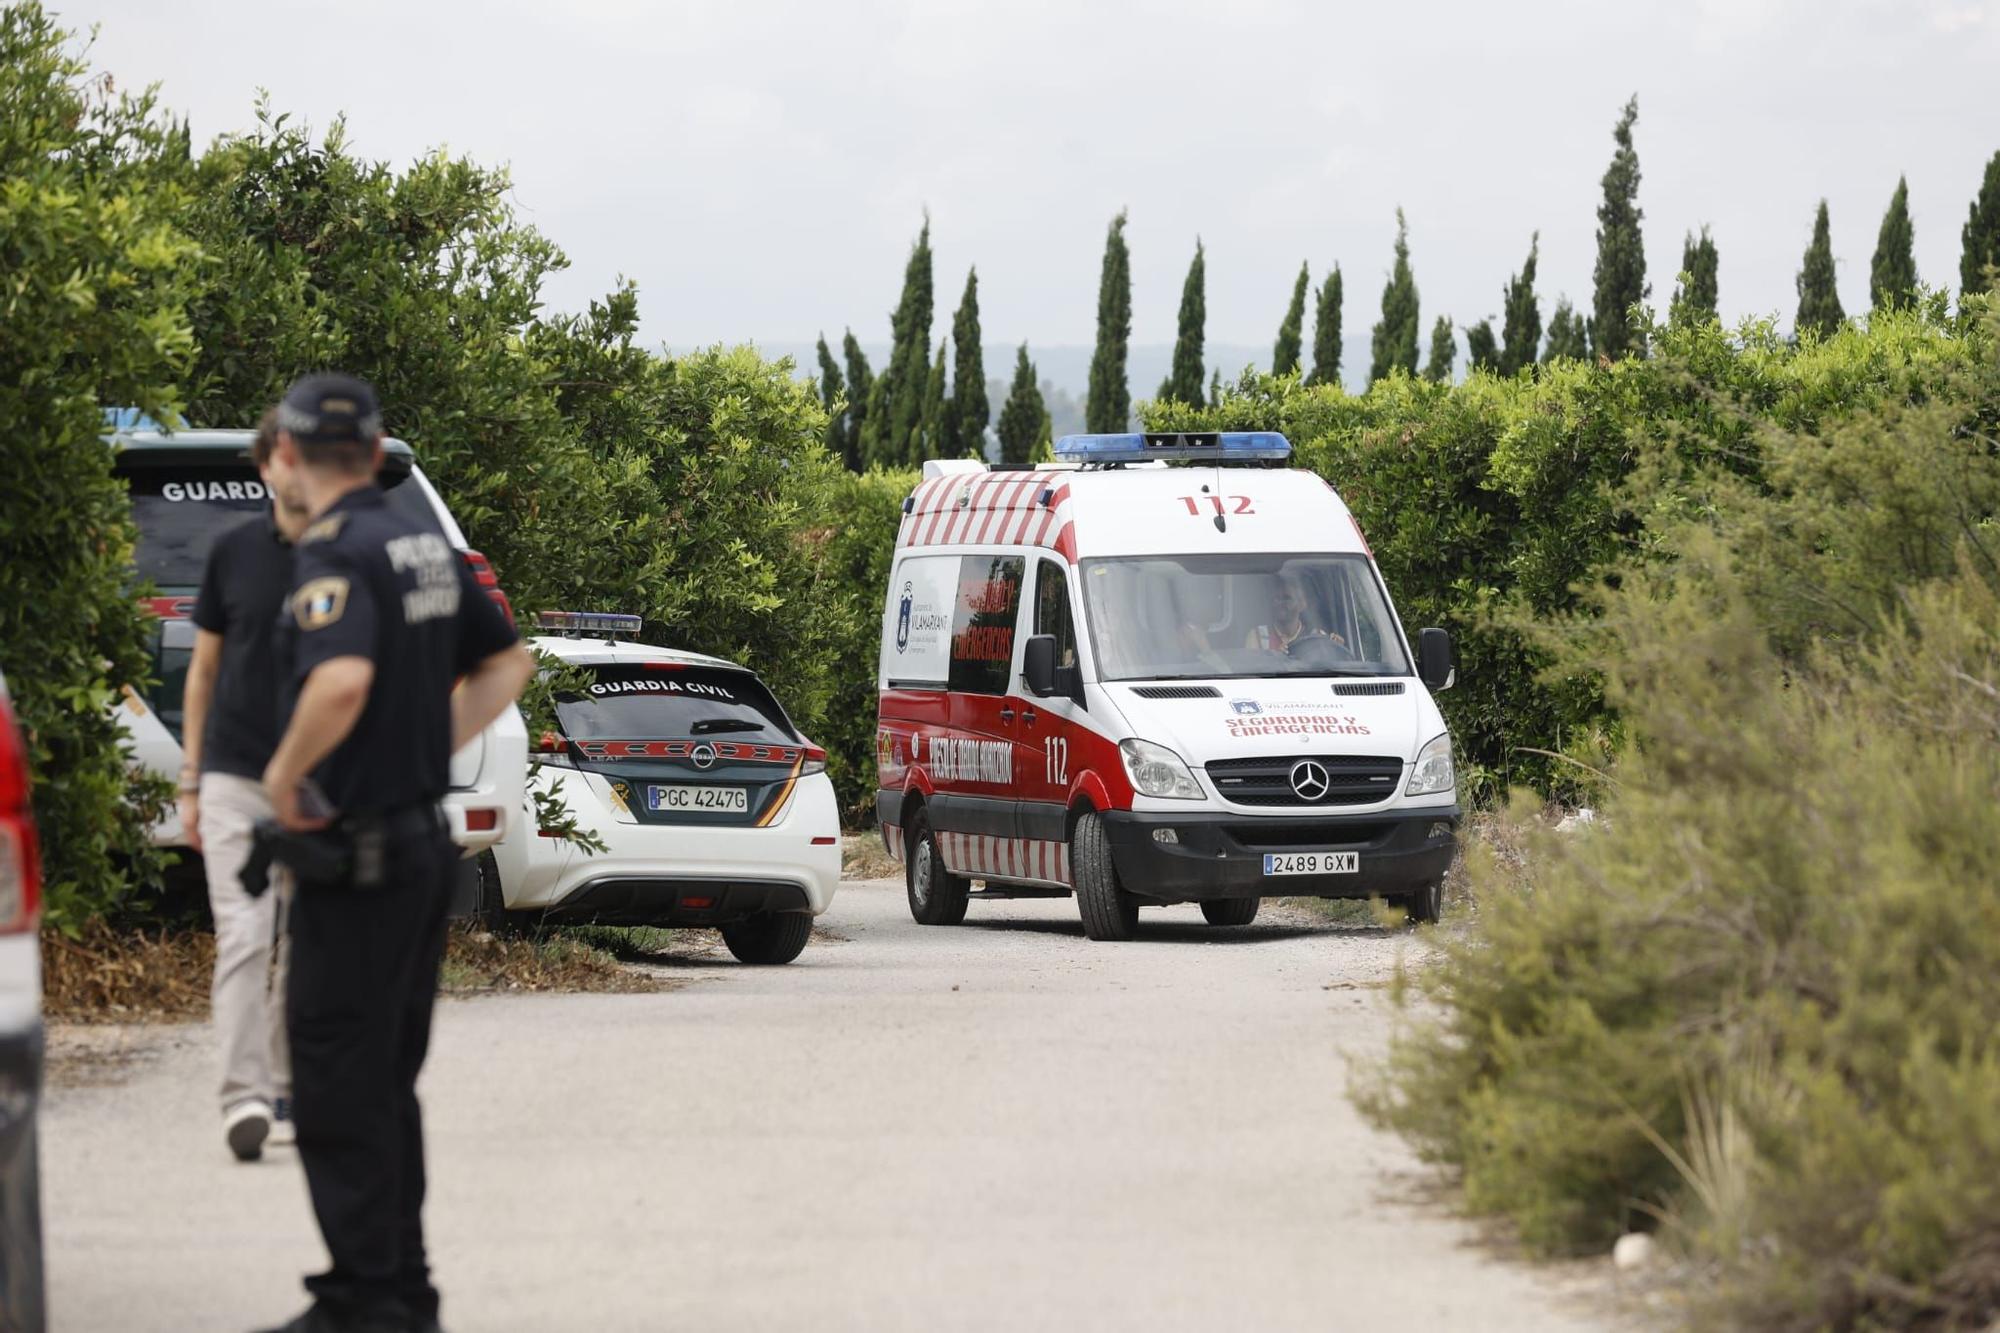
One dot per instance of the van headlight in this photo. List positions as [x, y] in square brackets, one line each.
[1432, 772]
[1157, 771]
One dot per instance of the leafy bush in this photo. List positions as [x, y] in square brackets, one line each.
[96, 279]
[1759, 1001]
[594, 473]
[866, 513]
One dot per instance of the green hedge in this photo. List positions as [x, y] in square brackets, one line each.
[96, 278]
[1755, 1006]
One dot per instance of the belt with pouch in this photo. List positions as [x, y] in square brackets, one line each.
[351, 853]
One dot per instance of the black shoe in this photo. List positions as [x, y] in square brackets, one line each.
[323, 1318]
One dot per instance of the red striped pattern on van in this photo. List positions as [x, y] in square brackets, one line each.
[992, 509]
[982, 857]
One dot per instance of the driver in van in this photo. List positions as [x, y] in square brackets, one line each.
[1289, 624]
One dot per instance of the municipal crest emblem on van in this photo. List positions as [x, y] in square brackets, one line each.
[1246, 707]
[903, 616]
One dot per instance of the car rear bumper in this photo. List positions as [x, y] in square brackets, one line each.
[1217, 855]
[20, 1080]
[489, 779]
[802, 850]
[617, 900]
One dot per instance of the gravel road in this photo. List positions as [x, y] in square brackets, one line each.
[1000, 1126]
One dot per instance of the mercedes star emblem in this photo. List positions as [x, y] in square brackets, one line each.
[1309, 780]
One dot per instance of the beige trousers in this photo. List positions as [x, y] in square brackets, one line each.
[251, 945]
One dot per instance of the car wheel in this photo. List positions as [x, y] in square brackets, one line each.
[1425, 906]
[1109, 913]
[937, 897]
[768, 937]
[1230, 911]
[489, 904]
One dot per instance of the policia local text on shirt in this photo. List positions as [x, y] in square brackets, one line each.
[383, 618]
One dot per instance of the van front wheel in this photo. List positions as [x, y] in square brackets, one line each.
[1109, 913]
[937, 897]
[1425, 906]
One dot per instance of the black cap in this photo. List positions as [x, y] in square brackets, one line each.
[329, 408]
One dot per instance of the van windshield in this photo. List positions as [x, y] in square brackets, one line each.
[1218, 616]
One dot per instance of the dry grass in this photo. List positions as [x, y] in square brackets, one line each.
[862, 856]
[477, 962]
[161, 975]
[105, 975]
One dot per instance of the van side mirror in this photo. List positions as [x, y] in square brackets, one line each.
[1434, 665]
[1038, 665]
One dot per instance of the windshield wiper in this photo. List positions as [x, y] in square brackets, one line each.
[708, 725]
[1332, 671]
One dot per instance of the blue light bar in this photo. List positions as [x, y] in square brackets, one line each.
[607, 623]
[1250, 446]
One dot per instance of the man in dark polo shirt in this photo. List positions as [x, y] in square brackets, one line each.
[231, 706]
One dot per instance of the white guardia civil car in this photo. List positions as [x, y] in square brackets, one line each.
[714, 810]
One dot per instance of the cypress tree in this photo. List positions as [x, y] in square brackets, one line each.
[1443, 352]
[1024, 417]
[1892, 273]
[829, 398]
[1183, 384]
[1621, 252]
[1215, 386]
[969, 409]
[1521, 327]
[1395, 341]
[1326, 331]
[1694, 290]
[1819, 300]
[907, 379]
[1285, 352]
[934, 438]
[1108, 405]
[1981, 237]
[1568, 338]
[874, 449]
[860, 393]
[1480, 347]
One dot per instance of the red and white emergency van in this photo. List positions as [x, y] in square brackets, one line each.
[1164, 669]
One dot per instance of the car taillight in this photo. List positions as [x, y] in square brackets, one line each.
[483, 575]
[551, 748]
[20, 855]
[815, 761]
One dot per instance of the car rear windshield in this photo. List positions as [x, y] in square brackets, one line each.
[181, 508]
[670, 701]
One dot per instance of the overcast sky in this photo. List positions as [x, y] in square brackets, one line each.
[761, 169]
